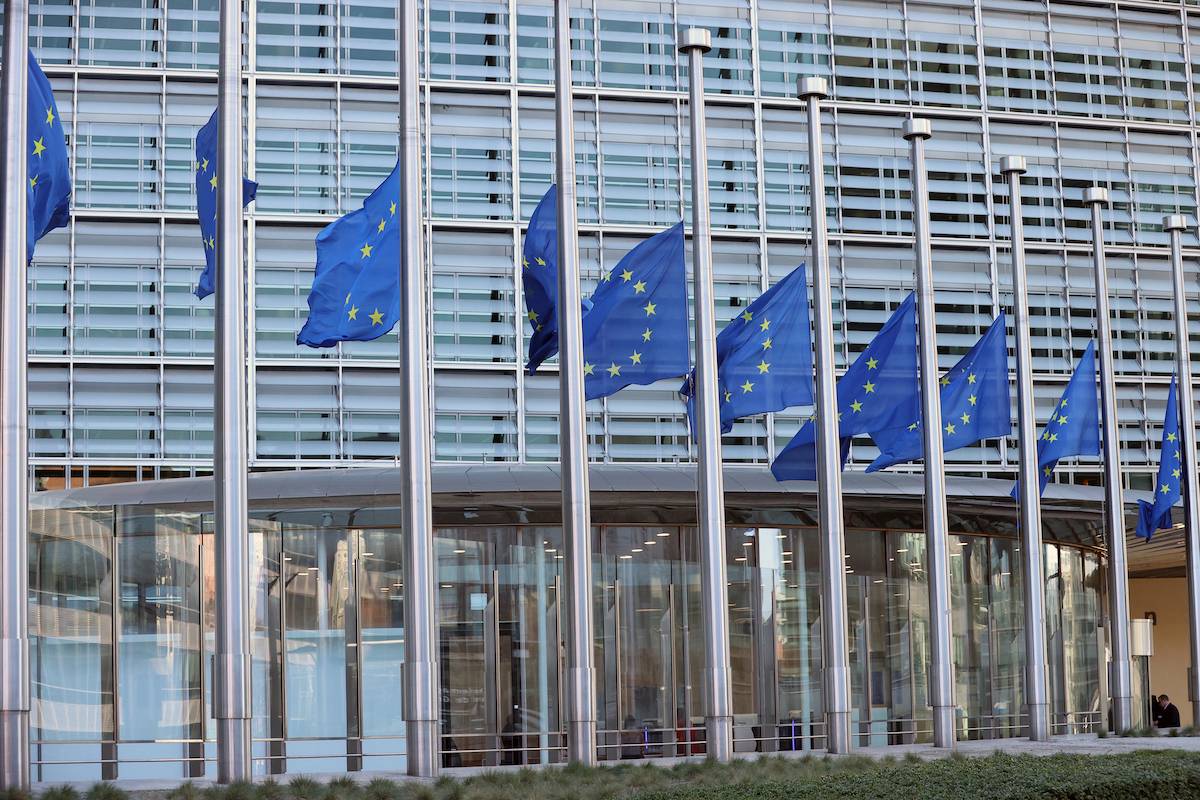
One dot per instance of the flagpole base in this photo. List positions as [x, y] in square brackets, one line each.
[424, 748]
[718, 738]
[944, 734]
[837, 734]
[1039, 723]
[14, 750]
[581, 742]
[234, 759]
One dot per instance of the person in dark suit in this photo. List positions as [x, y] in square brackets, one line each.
[1168, 713]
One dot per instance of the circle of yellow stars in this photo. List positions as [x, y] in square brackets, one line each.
[365, 252]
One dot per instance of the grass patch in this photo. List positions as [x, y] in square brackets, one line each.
[1149, 774]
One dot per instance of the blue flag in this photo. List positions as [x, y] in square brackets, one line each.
[764, 356]
[48, 194]
[539, 279]
[355, 293]
[636, 328]
[876, 395]
[1074, 425]
[1167, 491]
[976, 404]
[206, 201]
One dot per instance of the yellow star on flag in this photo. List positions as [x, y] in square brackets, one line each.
[614, 370]
[533, 315]
[1166, 489]
[347, 299]
[353, 313]
[728, 395]
[945, 380]
[33, 182]
[1046, 471]
[766, 323]
[949, 428]
[767, 343]
[1171, 437]
[747, 315]
[972, 399]
[913, 427]
[1054, 437]
[382, 224]
[763, 367]
[872, 363]
[971, 378]
[39, 146]
[376, 317]
[204, 164]
[965, 418]
[870, 387]
[1175, 472]
[366, 250]
[856, 406]
[649, 308]
[635, 357]
[747, 387]
[589, 369]
[49, 116]
[213, 182]
[627, 275]
[392, 208]
[1062, 420]
[646, 334]
[639, 287]
[541, 262]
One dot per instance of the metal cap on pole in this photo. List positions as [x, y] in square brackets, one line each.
[1036, 681]
[710, 498]
[916, 131]
[834, 640]
[1121, 685]
[14, 431]
[580, 697]
[1175, 225]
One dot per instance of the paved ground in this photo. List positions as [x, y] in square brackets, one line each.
[1081, 744]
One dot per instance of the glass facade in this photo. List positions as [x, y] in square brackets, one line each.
[122, 627]
[121, 351]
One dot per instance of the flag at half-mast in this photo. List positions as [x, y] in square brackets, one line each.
[878, 393]
[1167, 488]
[48, 178]
[764, 356]
[975, 401]
[635, 331]
[355, 293]
[206, 202]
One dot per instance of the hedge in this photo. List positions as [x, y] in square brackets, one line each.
[1154, 775]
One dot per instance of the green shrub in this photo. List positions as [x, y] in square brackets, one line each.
[106, 791]
[305, 789]
[60, 793]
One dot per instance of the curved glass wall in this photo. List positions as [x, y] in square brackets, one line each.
[122, 621]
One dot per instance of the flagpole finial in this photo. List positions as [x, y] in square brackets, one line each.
[917, 128]
[1015, 164]
[1095, 195]
[692, 38]
[1175, 222]
[812, 86]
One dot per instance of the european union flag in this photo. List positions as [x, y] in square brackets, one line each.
[355, 293]
[539, 278]
[1074, 425]
[1157, 515]
[636, 328]
[877, 394]
[48, 195]
[975, 399]
[206, 201]
[764, 356]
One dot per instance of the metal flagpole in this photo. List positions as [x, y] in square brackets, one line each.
[1036, 691]
[14, 561]
[710, 494]
[580, 711]
[1114, 505]
[422, 696]
[1176, 224]
[835, 642]
[231, 676]
[936, 518]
